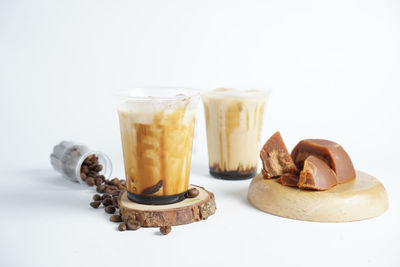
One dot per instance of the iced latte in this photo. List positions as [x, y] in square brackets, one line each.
[233, 121]
[157, 134]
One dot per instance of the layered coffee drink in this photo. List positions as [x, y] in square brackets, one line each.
[233, 121]
[157, 137]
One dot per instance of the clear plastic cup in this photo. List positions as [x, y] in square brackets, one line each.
[233, 122]
[157, 126]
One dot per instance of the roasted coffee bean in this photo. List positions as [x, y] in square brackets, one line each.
[115, 182]
[107, 202]
[165, 230]
[96, 197]
[109, 209]
[122, 226]
[104, 196]
[101, 188]
[90, 181]
[92, 166]
[116, 218]
[110, 190]
[98, 181]
[121, 187]
[192, 192]
[115, 202]
[92, 174]
[116, 193]
[85, 169]
[95, 204]
[133, 225]
[83, 176]
[122, 181]
[102, 177]
[98, 168]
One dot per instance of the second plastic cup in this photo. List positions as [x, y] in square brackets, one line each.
[233, 121]
[157, 126]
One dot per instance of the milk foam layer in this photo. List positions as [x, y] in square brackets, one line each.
[233, 120]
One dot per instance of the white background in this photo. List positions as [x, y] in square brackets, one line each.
[335, 71]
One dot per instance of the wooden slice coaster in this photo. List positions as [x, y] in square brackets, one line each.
[184, 212]
[363, 198]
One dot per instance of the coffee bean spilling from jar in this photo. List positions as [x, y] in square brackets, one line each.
[90, 170]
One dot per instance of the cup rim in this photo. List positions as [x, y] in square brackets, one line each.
[233, 92]
[160, 93]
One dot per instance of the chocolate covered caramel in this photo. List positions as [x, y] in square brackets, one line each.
[316, 175]
[330, 152]
[275, 158]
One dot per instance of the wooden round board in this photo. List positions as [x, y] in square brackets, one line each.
[184, 212]
[363, 198]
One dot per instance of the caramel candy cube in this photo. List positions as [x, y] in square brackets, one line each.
[275, 158]
[289, 179]
[330, 152]
[316, 175]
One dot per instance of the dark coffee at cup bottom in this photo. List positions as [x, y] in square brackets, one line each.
[156, 200]
[234, 174]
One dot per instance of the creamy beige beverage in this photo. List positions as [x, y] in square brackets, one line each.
[233, 121]
[157, 137]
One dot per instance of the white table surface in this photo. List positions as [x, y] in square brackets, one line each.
[334, 70]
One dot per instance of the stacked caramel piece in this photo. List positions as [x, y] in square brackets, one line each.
[315, 164]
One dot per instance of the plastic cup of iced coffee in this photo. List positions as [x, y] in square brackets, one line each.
[157, 127]
[233, 122]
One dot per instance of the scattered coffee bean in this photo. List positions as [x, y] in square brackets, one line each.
[115, 182]
[115, 202]
[122, 226]
[116, 218]
[121, 187]
[165, 230]
[192, 192]
[101, 188]
[96, 197]
[133, 225]
[98, 181]
[110, 190]
[109, 209]
[105, 196]
[107, 202]
[95, 204]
